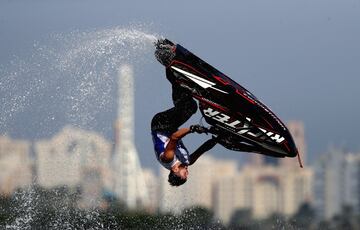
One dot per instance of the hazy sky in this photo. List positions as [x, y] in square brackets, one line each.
[300, 57]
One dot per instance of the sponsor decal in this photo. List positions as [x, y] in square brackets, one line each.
[198, 80]
[242, 127]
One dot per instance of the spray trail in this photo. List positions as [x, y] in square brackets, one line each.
[69, 79]
[93, 59]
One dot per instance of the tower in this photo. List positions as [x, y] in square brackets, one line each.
[297, 131]
[129, 182]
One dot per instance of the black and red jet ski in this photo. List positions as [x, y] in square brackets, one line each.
[235, 115]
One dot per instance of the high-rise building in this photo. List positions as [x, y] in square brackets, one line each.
[172, 199]
[152, 186]
[92, 188]
[352, 181]
[231, 193]
[337, 182]
[263, 190]
[297, 131]
[75, 157]
[129, 183]
[296, 188]
[195, 192]
[199, 189]
[15, 165]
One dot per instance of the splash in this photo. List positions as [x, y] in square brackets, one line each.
[38, 208]
[71, 77]
[94, 58]
[24, 211]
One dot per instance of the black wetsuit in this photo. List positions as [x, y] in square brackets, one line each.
[184, 107]
[167, 122]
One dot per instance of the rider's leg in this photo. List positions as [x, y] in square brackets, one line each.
[184, 107]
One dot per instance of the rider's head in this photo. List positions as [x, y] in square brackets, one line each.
[178, 175]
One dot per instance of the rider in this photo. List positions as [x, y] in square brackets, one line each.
[167, 137]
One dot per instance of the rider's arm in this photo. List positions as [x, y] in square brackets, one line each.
[169, 152]
[209, 144]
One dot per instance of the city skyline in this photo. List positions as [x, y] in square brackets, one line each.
[289, 187]
[242, 156]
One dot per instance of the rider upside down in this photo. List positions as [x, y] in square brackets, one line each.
[167, 135]
[262, 133]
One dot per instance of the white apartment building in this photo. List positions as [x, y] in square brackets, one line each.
[15, 165]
